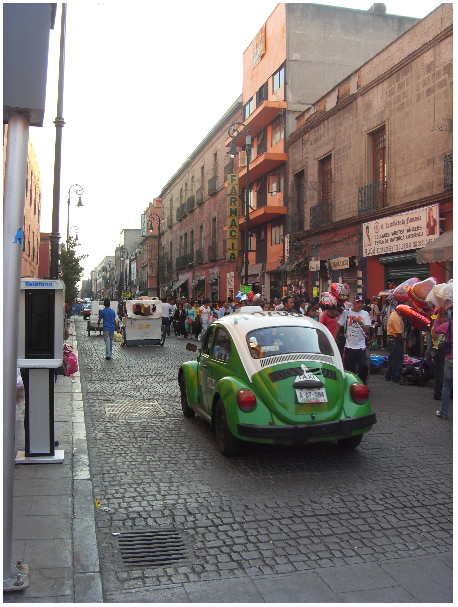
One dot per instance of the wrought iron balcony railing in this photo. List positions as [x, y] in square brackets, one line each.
[372, 197]
[320, 214]
[199, 255]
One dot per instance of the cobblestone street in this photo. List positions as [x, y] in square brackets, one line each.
[273, 510]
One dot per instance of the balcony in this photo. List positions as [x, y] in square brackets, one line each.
[190, 204]
[448, 172]
[261, 147]
[188, 258]
[212, 185]
[320, 214]
[184, 210]
[261, 197]
[180, 262]
[199, 255]
[262, 115]
[261, 165]
[200, 195]
[372, 197]
[263, 215]
[212, 251]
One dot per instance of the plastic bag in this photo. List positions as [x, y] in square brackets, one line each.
[117, 337]
[70, 361]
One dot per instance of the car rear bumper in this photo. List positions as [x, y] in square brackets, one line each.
[343, 427]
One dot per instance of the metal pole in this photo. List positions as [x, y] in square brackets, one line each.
[158, 256]
[247, 209]
[68, 219]
[54, 237]
[13, 219]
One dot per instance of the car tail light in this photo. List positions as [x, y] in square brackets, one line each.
[246, 400]
[359, 393]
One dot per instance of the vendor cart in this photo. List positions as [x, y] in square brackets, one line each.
[142, 323]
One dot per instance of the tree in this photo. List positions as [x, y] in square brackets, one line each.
[71, 270]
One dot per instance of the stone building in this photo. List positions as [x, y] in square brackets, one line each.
[194, 201]
[370, 164]
[301, 51]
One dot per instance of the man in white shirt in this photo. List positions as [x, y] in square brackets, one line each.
[357, 325]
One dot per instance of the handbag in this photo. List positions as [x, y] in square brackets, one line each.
[445, 346]
[190, 321]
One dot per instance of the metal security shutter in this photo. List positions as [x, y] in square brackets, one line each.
[350, 276]
[399, 273]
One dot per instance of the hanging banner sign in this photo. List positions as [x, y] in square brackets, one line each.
[232, 217]
[339, 263]
[314, 266]
[410, 230]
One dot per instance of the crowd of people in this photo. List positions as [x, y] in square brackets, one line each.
[358, 326]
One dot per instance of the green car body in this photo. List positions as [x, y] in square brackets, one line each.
[273, 379]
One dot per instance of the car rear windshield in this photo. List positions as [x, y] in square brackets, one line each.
[273, 341]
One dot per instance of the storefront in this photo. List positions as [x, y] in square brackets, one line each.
[180, 288]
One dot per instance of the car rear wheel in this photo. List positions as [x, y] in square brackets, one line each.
[228, 444]
[350, 443]
[187, 411]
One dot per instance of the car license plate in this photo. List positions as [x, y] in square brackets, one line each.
[311, 396]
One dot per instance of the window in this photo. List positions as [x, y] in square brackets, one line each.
[181, 196]
[208, 340]
[191, 241]
[379, 149]
[281, 340]
[261, 143]
[201, 236]
[215, 163]
[248, 109]
[221, 349]
[278, 79]
[261, 234]
[171, 250]
[186, 191]
[261, 95]
[250, 199]
[180, 250]
[192, 185]
[278, 131]
[277, 232]
[276, 182]
[213, 233]
[185, 244]
[326, 179]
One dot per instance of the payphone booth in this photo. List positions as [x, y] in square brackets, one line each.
[40, 353]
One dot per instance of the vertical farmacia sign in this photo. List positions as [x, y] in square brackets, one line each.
[232, 217]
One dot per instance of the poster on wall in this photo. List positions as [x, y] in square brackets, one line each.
[410, 230]
[258, 46]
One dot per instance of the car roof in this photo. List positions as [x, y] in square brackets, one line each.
[243, 322]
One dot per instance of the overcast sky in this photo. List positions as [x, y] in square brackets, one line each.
[144, 84]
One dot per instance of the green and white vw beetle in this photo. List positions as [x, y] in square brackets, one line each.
[274, 377]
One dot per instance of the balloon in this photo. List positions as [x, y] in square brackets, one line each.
[425, 310]
[420, 291]
[328, 301]
[441, 295]
[239, 295]
[341, 291]
[416, 319]
[400, 293]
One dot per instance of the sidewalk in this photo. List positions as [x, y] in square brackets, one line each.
[53, 509]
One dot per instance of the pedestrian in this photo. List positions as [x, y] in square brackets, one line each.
[312, 312]
[204, 314]
[166, 315]
[180, 321]
[395, 333]
[197, 324]
[225, 310]
[110, 325]
[376, 320]
[357, 324]
[288, 303]
[438, 356]
[445, 328]
[190, 318]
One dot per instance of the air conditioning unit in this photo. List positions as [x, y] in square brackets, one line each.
[242, 159]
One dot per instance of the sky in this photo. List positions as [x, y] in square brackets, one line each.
[144, 83]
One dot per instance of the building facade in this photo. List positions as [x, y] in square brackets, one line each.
[193, 243]
[32, 211]
[125, 261]
[300, 52]
[370, 165]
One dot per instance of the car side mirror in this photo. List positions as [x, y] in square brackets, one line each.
[191, 347]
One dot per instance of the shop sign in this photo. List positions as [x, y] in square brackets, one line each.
[143, 224]
[232, 217]
[314, 266]
[339, 263]
[410, 230]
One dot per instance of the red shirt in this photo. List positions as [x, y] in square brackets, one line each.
[329, 323]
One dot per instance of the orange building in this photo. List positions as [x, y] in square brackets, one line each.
[300, 52]
[32, 211]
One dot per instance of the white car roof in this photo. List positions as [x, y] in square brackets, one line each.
[240, 324]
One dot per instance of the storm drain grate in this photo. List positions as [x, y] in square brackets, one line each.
[151, 548]
[132, 410]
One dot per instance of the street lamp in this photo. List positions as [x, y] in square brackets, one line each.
[234, 131]
[79, 190]
[150, 228]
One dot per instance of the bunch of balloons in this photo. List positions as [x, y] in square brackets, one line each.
[329, 302]
[418, 299]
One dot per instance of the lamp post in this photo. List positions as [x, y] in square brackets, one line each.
[234, 131]
[122, 276]
[79, 190]
[74, 232]
[150, 228]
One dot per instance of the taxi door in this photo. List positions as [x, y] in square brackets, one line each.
[215, 365]
[206, 392]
